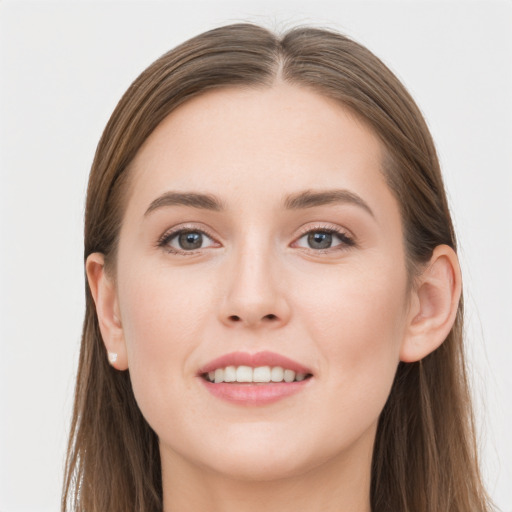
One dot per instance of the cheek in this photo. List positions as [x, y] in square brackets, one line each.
[361, 307]
[358, 322]
[162, 325]
[160, 309]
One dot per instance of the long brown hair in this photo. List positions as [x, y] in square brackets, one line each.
[425, 456]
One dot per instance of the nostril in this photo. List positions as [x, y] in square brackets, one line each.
[236, 318]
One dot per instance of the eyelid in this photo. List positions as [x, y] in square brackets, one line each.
[323, 226]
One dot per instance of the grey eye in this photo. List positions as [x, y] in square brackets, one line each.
[190, 241]
[319, 240]
[322, 239]
[187, 240]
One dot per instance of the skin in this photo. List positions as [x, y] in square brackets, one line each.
[257, 284]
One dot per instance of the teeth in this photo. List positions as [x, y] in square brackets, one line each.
[244, 374]
[289, 375]
[219, 375]
[259, 374]
[277, 374]
[230, 374]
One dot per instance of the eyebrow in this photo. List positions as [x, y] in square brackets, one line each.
[297, 201]
[312, 198]
[192, 199]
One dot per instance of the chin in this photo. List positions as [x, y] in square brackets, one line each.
[271, 467]
[261, 457]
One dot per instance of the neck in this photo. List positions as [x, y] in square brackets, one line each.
[339, 485]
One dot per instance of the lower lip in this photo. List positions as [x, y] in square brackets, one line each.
[254, 394]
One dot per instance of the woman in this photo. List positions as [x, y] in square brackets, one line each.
[274, 311]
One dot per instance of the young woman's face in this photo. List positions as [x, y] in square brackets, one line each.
[260, 230]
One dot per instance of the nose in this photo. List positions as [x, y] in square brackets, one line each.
[254, 291]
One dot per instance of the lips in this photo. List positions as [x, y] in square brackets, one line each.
[254, 379]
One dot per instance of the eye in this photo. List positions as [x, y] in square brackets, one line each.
[324, 239]
[185, 241]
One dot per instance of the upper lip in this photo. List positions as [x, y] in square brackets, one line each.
[265, 358]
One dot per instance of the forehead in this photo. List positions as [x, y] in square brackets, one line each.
[249, 142]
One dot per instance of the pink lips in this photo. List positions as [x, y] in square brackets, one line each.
[253, 394]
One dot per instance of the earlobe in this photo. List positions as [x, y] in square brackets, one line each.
[434, 305]
[105, 298]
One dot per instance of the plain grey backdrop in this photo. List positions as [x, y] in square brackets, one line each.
[64, 66]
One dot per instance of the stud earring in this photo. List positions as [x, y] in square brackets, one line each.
[112, 357]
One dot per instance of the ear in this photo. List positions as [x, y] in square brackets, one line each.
[434, 305]
[105, 298]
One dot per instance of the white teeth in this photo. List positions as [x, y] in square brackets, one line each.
[244, 374]
[230, 374]
[260, 374]
[277, 374]
[289, 375]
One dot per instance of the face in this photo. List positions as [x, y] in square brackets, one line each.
[259, 230]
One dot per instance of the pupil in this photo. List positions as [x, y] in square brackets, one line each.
[191, 240]
[320, 240]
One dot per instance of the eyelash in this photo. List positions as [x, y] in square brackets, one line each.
[168, 236]
[346, 240]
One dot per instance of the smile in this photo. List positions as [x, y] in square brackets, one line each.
[254, 379]
[260, 374]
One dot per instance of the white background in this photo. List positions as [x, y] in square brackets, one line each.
[63, 68]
